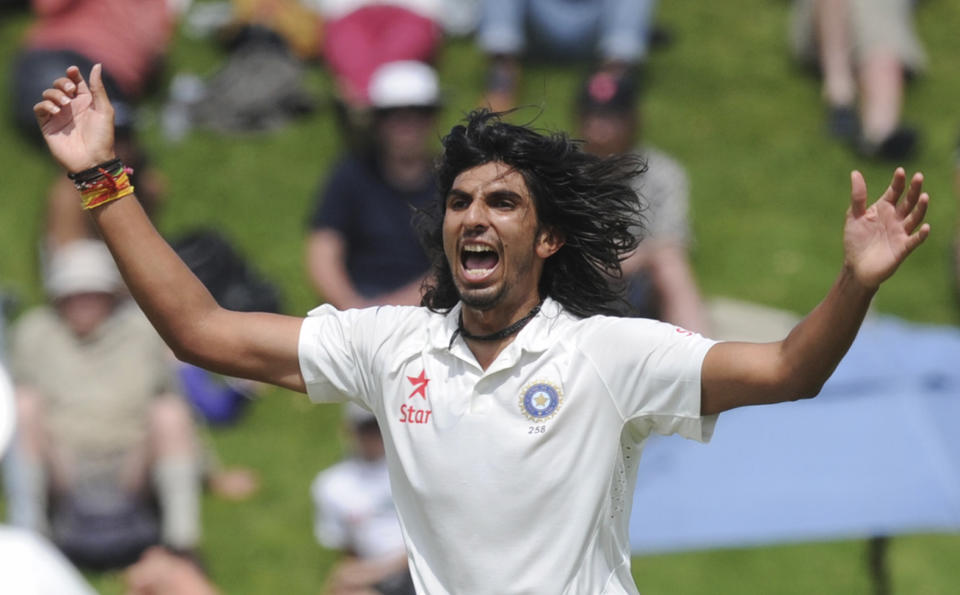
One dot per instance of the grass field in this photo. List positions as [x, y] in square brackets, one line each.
[769, 193]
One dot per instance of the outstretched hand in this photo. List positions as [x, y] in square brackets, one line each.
[76, 120]
[876, 239]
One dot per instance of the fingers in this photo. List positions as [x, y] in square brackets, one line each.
[59, 95]
[895, 189]
[916, 239]
[54, 98]
[913, 209]
[45, 109]
[97, 89]
[74, 84]
[858, 194]
[66, 85]
[906, 206]
[74, 74]
[67, 88]
[915, 217]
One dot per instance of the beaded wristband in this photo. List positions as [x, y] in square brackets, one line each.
[103, 183]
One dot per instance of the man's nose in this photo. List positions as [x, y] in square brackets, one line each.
[476, 215]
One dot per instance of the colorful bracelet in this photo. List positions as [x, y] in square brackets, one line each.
[88, 175]
[103, 183]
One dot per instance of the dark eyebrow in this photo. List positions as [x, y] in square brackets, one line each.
[504, 194]
[458, 193]
[496, 194]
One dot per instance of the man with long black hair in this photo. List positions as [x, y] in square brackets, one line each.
[513, 410]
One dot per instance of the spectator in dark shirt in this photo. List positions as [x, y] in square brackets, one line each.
[362, 249]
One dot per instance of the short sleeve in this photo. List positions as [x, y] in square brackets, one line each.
[652, 371]
[329, 352]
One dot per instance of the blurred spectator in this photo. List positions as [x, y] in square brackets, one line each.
[106, 459]
[160, 572]
[865, 48]
[293, 20]
[260, 86]
[29, 564]
[129, 37]
[355, 514]
[359, 36]
[362, 249]
[659, 278]
[460, 17]
[616, 32]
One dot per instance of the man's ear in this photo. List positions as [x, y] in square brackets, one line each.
[549, 240]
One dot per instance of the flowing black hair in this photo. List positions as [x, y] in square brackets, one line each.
[587, 200]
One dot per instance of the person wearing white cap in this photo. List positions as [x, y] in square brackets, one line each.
[102, 425]
[362, 249]
[514, 407]
[355, 513]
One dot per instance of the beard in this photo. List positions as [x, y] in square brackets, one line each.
[482, 299]
[488, 298]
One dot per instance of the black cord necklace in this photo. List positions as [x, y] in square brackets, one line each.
[501, 334]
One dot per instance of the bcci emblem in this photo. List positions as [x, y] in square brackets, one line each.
[540, 401]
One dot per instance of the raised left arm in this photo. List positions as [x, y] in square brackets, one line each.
[876, 239]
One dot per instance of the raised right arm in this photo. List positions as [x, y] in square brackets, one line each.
[77, 122]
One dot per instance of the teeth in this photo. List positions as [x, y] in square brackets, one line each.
[477, 249]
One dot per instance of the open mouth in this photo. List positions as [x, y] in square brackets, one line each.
[478, 260]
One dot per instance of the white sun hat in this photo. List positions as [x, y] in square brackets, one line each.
[404, 83]
[82, 266]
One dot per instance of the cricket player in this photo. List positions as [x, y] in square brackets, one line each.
[513, 410]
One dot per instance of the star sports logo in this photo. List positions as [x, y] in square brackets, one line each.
[420, 384]
[410, 414]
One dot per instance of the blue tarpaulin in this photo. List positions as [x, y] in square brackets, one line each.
[877, 453]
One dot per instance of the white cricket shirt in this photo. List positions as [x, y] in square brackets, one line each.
[518, 478]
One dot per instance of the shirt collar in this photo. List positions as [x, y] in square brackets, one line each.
[534, 337]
